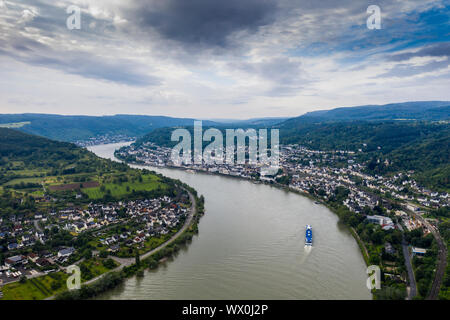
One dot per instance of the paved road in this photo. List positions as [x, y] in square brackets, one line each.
[36, 225]
[411, 278]
[125, 262]
[441, 259]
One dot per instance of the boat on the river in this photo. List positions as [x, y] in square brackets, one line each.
[308, 236]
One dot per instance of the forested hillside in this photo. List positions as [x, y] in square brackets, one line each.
[29, 164]
[407, 145]
[416, 110]
[73, 128]
[24, 155]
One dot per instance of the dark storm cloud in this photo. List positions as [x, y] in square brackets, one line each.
[207, 23]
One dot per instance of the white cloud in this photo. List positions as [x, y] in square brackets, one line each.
[304, 59]
[28, 15]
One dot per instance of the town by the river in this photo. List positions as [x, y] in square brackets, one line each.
[251, 246]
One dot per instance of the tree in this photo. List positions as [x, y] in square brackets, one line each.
[109, 263]
[87, 254]
[55, 285]
[138, 258]
[152, 263]
[85, 271]
[122, 212]
[377, 237]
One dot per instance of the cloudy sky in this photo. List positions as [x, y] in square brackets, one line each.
[220, 59]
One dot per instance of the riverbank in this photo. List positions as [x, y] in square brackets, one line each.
[251, 246]
[363, 249]
[130, 267]
[342, 213]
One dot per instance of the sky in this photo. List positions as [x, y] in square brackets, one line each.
[220, 59]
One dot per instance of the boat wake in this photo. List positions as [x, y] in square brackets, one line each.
[307, 250]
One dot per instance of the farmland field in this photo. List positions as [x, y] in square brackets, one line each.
[149, 183]
[36, 288]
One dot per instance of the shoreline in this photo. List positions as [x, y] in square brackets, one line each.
[359, 242]
[128, 266]
[194, 221]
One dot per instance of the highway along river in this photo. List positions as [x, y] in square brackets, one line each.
[251, 246]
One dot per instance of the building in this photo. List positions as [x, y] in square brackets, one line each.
[386, 223]
[419, 251]
[15, 260]
[33, 257]
[66, 252]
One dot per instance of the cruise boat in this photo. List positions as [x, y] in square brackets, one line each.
[308, 236]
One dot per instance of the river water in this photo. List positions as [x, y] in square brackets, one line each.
[251, 246]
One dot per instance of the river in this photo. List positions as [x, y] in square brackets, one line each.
[251, 246]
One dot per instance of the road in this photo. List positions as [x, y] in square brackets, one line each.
[125, 262]
[441, 258]
[36, 225]
[412, 279]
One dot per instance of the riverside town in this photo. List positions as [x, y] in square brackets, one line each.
[234, 159]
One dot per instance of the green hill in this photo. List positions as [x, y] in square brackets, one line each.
[30, 164]
[73, 128]
[408, 145]
[416, 110]
[24, 155]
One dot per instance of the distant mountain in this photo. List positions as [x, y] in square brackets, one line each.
[73, 128]
[418, 110]
[419, 142]
[269, 121]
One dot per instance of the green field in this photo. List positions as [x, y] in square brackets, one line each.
[36, 288]
[93, 268]
[27, 163]
[46, 286]
[24, 180]
[149, 183]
